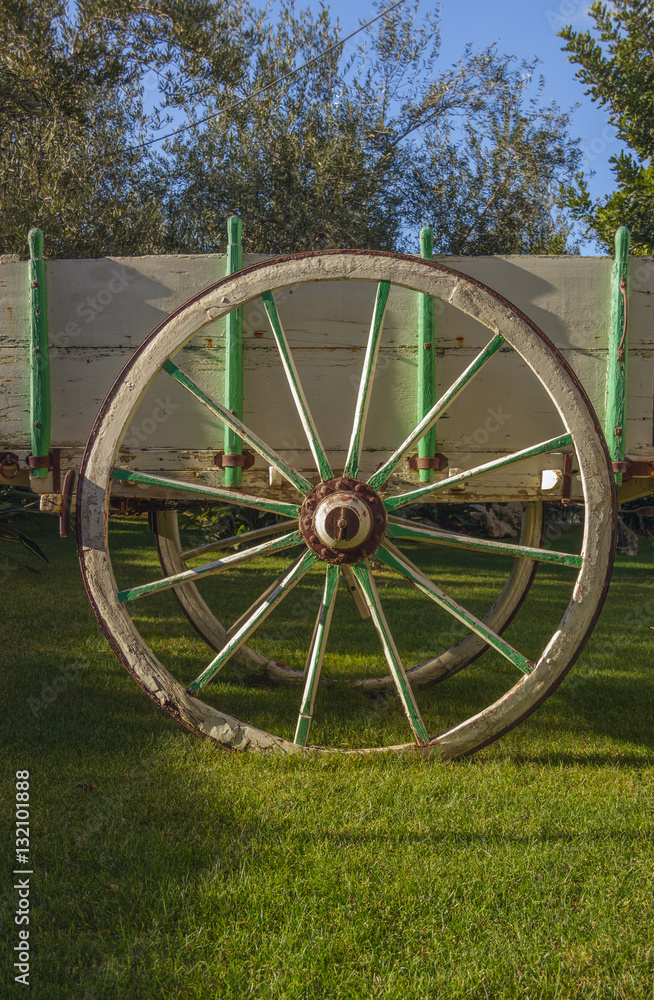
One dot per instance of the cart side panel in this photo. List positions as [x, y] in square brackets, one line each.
[101, 310]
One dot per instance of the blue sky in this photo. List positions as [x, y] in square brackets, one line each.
[526, 29]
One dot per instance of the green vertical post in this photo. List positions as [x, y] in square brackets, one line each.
[616, 371]
[426, 360]
[39, 353]
[234, 354]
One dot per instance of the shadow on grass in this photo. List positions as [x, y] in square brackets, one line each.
[610, 692]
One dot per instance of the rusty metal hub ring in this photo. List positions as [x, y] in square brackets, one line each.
[8, 460]
[343, 520]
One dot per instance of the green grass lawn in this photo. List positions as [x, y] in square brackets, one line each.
[164, 867]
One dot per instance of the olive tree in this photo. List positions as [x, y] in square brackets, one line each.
[615, 62]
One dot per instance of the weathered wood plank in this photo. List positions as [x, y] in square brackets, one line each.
[504, 405]
[116, 302]
[516, 483]
[113, 304]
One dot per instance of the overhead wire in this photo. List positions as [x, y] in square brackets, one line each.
[269, 86]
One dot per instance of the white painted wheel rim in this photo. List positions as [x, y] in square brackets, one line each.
[433, 279]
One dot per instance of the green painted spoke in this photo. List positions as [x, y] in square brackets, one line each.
[233, 629]
[555, 444]
[367, 584]
[379, 477]
[299, 482]
[397, 560]
[243, 539]
[367, 375]
[216, 492]
[295, 573]
[211, 568]
[316, 655]
[297, 392]
[397, 530]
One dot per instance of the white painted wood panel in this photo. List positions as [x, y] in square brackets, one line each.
[505, 393]
[99, 311]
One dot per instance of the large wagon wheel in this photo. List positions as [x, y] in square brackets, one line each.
[175, 559]
[343, 521]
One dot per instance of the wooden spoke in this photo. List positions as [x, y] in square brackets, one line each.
[231, 496]
[211, 568]
[298, 481]
[367, 376]
[405, 529]
[244, 538]
[555, 444]
[233, 629]
[297, 391]
[367, 584]
[379, 477]
[316, 655]
[354, 591]
[399, 562]
[293, 576]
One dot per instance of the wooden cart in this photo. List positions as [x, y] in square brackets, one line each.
[335, 390]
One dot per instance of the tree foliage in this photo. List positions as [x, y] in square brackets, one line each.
[364, 149]
[359, 148]
[493, 189]
[79, 86]
[617, 66]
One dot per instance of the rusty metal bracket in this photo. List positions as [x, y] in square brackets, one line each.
[39, 461]
[631, 469]
[244, 461]
[438, 462]
[7, 460]
[51, 461]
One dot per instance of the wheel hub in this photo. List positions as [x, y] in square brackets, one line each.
[343, 520]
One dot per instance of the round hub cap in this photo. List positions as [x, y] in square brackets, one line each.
[343, 520]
